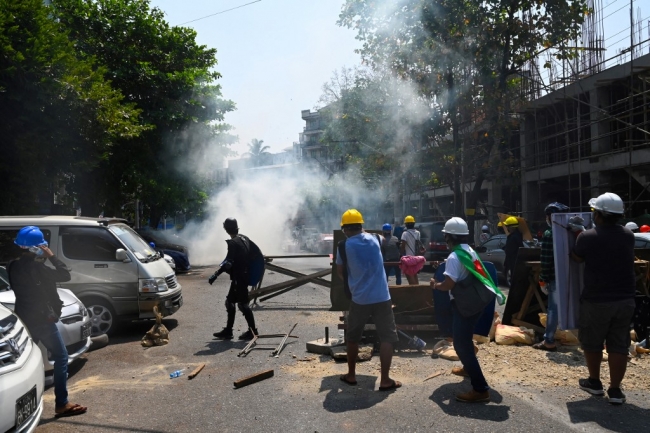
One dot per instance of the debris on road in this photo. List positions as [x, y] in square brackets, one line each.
[434, 375]
[253, 378]
[365, 353]
[195, 372]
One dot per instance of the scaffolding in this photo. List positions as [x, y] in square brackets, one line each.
[588, 110]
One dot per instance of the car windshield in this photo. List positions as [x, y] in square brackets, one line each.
[4, 279]
[138, 246]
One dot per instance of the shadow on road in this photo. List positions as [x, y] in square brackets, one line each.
[344, 398]
[445, 398]
[625, 418]
[219, 346]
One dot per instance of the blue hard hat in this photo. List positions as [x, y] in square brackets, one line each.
[30, 236]
[152, 245]
[387, 227]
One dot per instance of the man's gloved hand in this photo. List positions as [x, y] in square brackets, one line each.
[213, 278]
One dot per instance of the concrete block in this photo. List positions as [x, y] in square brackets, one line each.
[319, 346]
[365, 353]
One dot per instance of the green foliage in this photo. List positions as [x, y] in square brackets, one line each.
[257, 151]
[170, 78]
[464, 57]
[60, 117]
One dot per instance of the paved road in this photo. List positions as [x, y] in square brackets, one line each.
[127, 387]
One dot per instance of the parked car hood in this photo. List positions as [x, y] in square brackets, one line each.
[8, 298]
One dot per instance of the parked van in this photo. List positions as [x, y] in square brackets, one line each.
[114, 272]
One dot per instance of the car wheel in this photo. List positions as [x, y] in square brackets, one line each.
[102, 317]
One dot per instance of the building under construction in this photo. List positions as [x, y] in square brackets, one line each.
[586, 128]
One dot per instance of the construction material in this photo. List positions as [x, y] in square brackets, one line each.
[254, 294]
[433, 375]
[277, 351]
[257, 377]
[340, 354]
[195, 372]
[415, 342]
[321, 347]
[253, 343]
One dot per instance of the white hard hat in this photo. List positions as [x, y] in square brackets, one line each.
[456, 226]
[485, 228]
[608, 203]
[632, 226]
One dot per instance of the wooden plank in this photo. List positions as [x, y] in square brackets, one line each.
[295, 274]
[196, 371]
[253, 378]
[537, 328]
[275, 287]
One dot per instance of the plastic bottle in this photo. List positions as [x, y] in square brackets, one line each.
[177, 373]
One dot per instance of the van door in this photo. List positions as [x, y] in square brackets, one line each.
[96, 273]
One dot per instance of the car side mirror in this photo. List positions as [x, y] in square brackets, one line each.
[120, 255]
[480, 249]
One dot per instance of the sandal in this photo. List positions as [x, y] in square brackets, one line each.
[73, 410]
[391, 387]
[542, 346]
[344, 378]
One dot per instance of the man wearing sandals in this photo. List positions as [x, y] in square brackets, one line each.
[39, 307]
[359, 260]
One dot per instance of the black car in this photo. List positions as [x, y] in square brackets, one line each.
[179, 253]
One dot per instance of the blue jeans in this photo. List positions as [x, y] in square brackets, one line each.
[398, 273]
[49, 335]
[463, 331]
[551, 314]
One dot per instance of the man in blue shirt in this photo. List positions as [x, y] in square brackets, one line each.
[359, 263]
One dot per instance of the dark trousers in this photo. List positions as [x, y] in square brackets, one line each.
[398, 273]
[463, 331]
[246, 311]
[49, 335]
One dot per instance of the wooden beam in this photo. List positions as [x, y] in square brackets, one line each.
[275, 287]
[296, 256]
[253, 378]
[295, 274]
[196, 371]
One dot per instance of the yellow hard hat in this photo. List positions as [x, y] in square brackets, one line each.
[351, 216]
[500, 224]
[511, 221]
[409, 219]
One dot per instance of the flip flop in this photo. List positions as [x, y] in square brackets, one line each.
[542, 346]
[349, 382]
[71, 411]
[395, 385]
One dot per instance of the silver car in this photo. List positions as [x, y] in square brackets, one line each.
[74, 324]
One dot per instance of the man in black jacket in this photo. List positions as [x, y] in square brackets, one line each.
[39, 307]
[240, 252]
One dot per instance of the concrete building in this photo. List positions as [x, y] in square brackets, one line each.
[589, 137]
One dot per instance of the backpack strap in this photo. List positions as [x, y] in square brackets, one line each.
[382, 247]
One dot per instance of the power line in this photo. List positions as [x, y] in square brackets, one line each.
[219, 13]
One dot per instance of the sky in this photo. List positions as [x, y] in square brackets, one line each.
[274, 57]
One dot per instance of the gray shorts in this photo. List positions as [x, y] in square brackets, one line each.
[607, 323]
[382, 314]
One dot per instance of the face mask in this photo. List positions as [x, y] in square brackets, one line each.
[36, 250]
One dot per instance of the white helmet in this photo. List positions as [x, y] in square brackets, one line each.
[632, 226]
[608, 203]
[456, 226]
[485, 228]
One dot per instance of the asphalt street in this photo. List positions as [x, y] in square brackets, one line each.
[127, 387]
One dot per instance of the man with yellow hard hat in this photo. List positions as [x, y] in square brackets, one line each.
[411, 244]
[514, 241]
[360, 265]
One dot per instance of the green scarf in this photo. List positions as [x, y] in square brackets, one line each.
[476, 267]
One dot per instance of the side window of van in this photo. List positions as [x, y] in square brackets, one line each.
[92, 244]
[10, 251]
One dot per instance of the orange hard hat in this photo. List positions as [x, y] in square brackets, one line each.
[644, 228]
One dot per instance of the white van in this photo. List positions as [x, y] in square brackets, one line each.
[21, 376]
[115, 273]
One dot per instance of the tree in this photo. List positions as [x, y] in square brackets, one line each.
[60, 117]
[257, 151]
[464, 55]
[171, 79]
